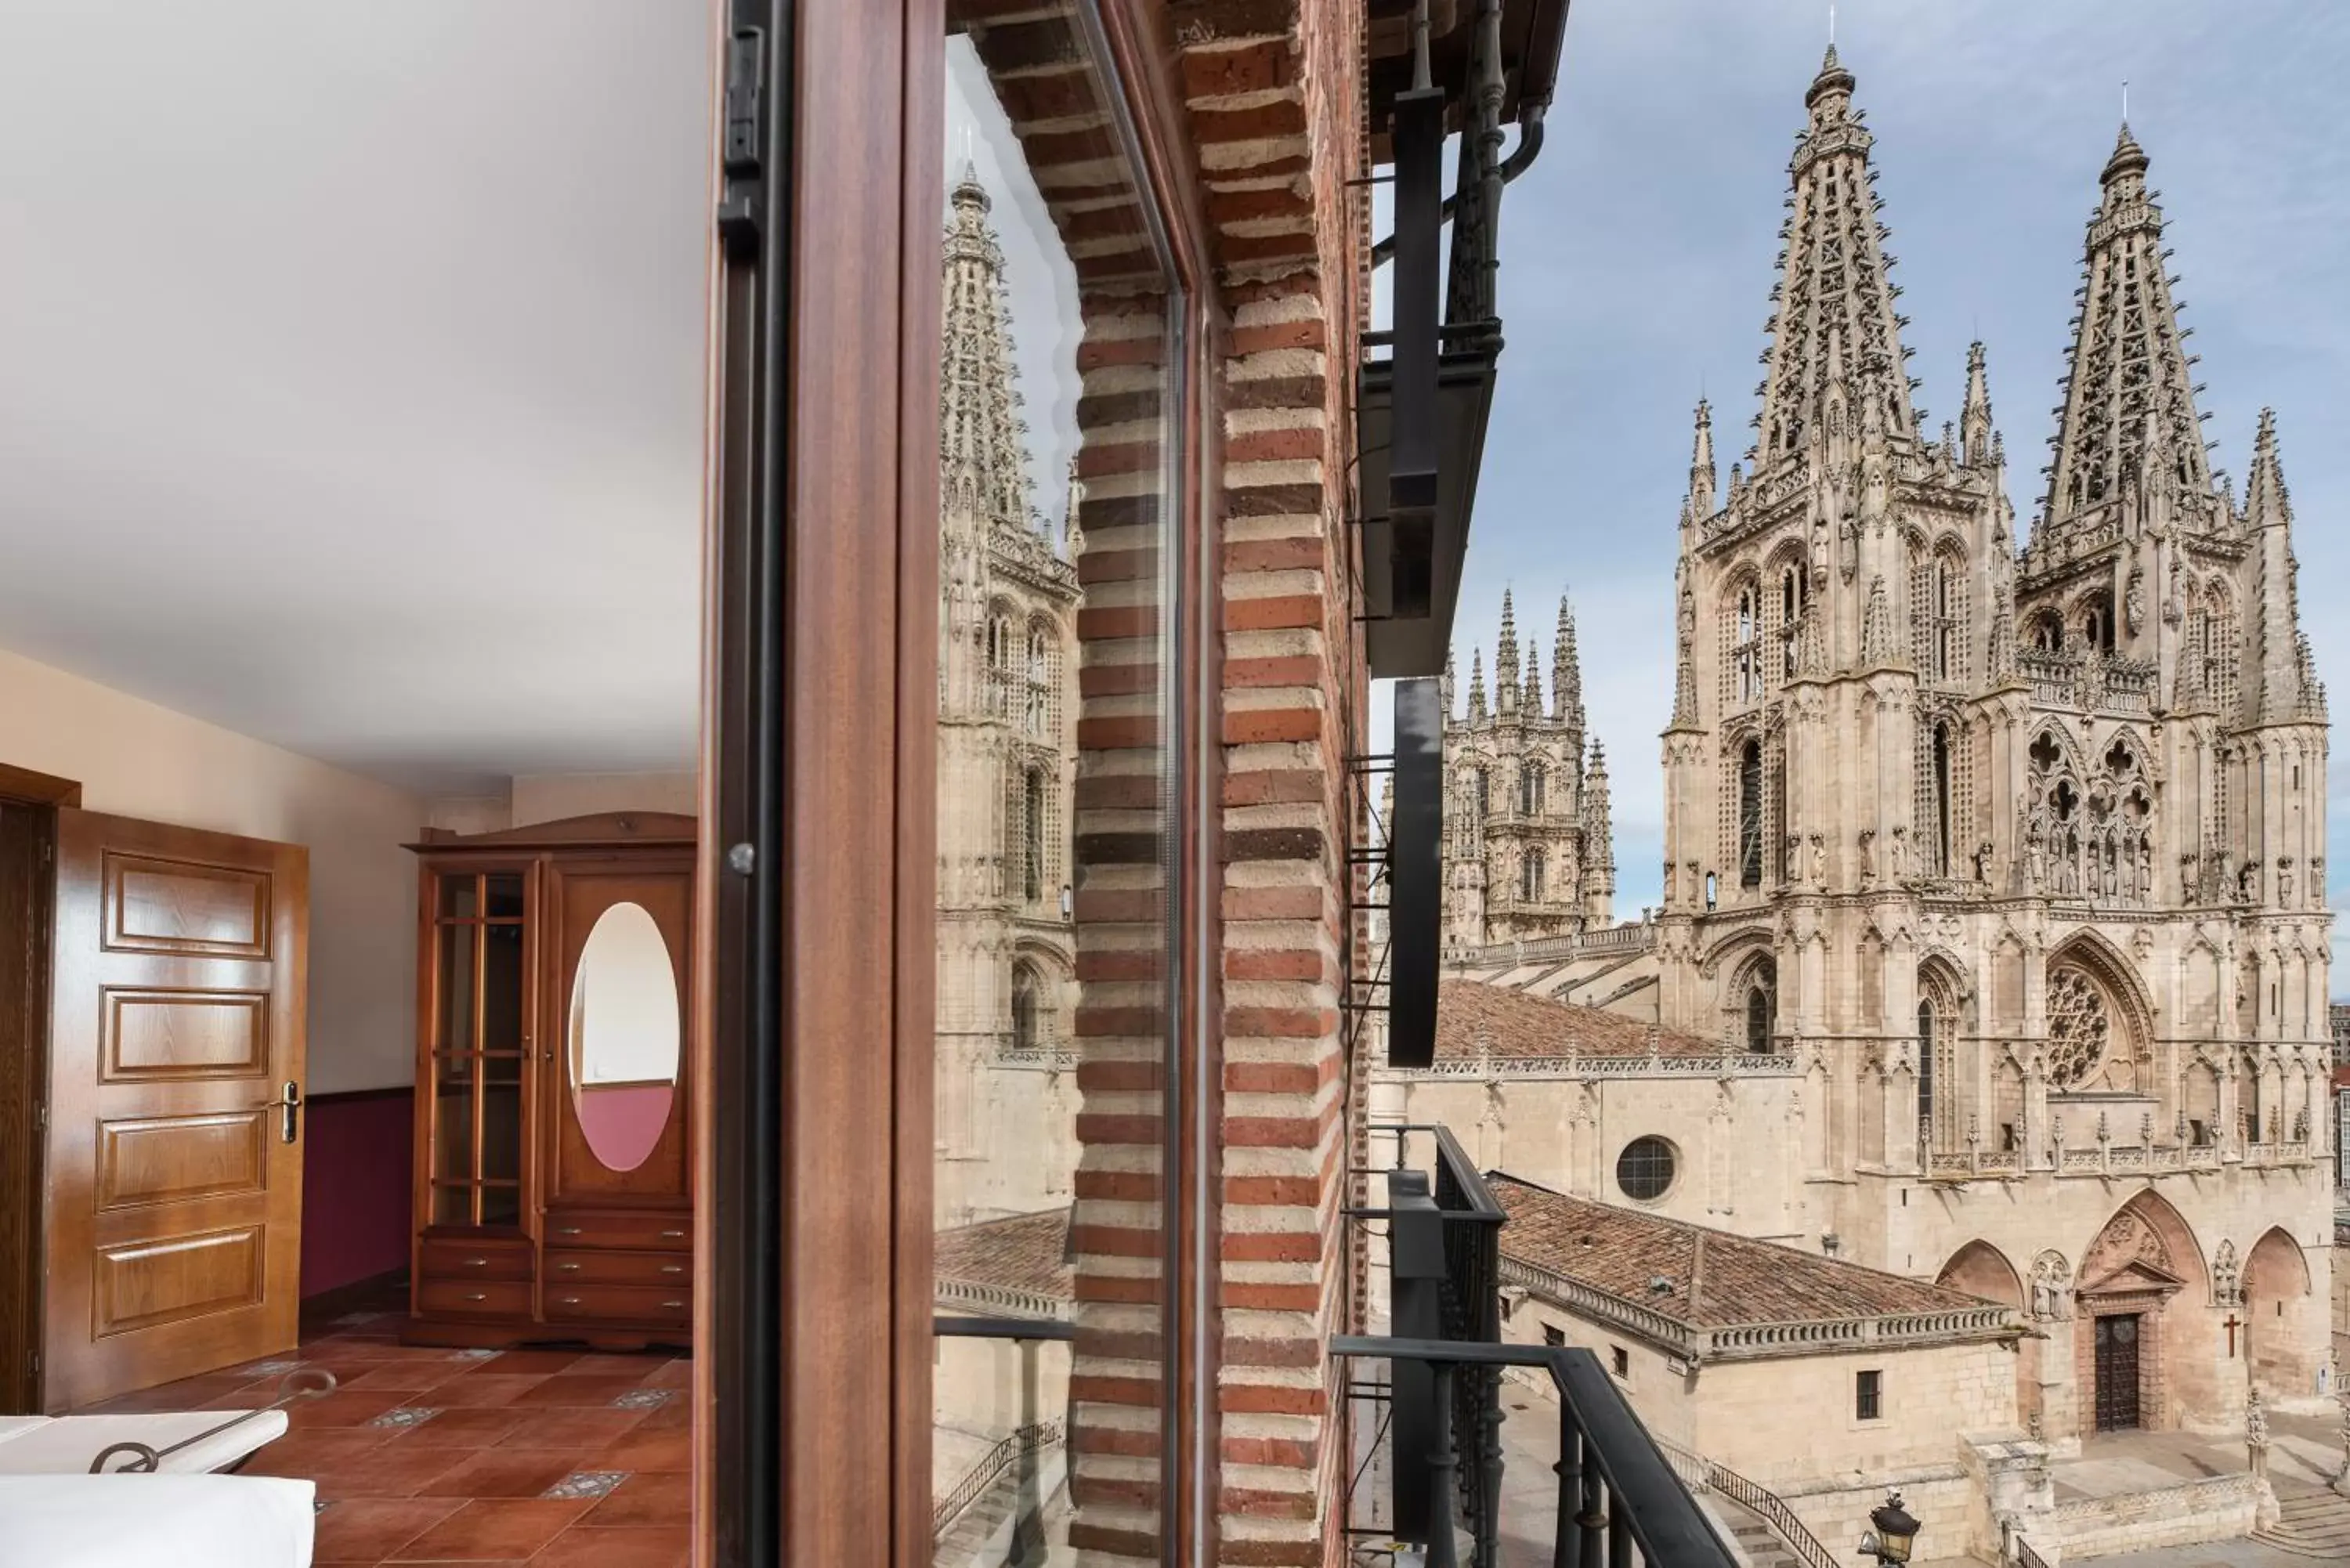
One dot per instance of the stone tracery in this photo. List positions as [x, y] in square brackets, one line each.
[2080, 1029]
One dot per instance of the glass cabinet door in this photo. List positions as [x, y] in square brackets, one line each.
[481, 1018]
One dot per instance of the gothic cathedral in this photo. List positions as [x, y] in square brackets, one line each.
[1995, 867]
[1527, 851]
[1008, 600]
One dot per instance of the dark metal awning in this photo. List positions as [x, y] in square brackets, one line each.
[1409, 595]
[1440, 67]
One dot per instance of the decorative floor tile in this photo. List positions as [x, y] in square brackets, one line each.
[586, 1483]
[405, 1416]
[644, 1399]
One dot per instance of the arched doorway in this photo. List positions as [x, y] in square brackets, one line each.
[2141, 1355]
[1981, 1270]
[2284, 1340]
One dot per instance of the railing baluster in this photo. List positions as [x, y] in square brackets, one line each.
[1566, 1544]
[1591, 1521]
[1489, 1521]
[1619, 1535]
[1441, 1550]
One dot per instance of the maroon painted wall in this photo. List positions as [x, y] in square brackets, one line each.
[357, 1152]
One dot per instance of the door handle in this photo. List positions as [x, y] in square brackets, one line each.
[290, 1102]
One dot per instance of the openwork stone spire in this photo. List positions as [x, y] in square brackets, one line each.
[983, 454]
[1476, 683]
[1974, 419]
[1833, 281]
[1703, 478]
[1505, 661]
[1566, 671]
[1529, 689]
[2128, 396]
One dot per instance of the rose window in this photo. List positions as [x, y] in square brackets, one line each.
[2078, 1028]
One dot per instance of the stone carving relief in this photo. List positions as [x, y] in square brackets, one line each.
[2128, 1239]
[2089, 837]
[2226, 1277]
[2052, 1282]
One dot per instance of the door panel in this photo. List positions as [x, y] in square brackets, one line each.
[2117, 1373]
[579, 894]
[174, 1209]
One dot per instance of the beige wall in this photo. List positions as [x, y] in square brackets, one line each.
[1736, 1413]
[133, 758]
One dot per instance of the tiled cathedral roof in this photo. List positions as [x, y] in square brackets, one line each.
[1718, 1280]
[1022, 1262]
[1474, 1020]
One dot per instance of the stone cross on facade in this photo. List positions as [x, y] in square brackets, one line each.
[2231, 1325]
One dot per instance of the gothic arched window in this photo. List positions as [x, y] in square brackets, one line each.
[1040, 682]
[2079, 1027]
[1946, 593]
[1925, 1044]
[1750, 682]
[1530, 790]
[1032, 833]
[1024, 1008]
[1761, 1002]
[1938, 844]
[1479, 785]
[1530, 878]
[1750, 816]
[1791, 617]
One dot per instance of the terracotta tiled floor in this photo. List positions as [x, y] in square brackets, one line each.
[557, 1458]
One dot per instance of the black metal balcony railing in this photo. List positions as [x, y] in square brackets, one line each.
[1620, 1499]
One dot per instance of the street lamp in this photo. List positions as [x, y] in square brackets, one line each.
[1894, 1534]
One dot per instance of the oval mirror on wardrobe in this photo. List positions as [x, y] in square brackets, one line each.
[625, 1031]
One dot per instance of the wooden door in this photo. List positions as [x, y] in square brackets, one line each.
[2117, 1368]
[173, 1212]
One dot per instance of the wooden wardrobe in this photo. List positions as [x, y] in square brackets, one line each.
[554, 1178]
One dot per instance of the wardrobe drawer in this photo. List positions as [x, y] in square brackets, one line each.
[669, 1270]
[620, 1304]
[667, 1233]
[468, 1298]
[444, 1260]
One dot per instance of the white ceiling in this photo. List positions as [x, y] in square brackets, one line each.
[351, 368]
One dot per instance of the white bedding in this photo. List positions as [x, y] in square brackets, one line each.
[146, 1521]
[65, 1445]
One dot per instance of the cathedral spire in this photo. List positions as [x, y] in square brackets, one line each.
[983, 450]
[1832, 283]
[1476, 684]
[1445, 691]
[1529, 689]
[2128, 371]
[1598, 841]
[1505, 661]
[1974, 419]
[1566, 671]
[1701, 471]
[2287, 686]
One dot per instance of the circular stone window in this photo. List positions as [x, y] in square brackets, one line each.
[1644, 1170]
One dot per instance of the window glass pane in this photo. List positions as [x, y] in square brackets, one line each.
[452, 1118]
[505, 895]
[453, 1206]
[456, 944]
[502, 988]
[460, 898]
[1055, 608]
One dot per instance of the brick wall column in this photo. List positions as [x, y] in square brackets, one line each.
[1273, 88]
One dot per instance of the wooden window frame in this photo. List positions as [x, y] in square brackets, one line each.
[824, 497]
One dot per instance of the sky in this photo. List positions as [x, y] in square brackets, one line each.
[1637, 260]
